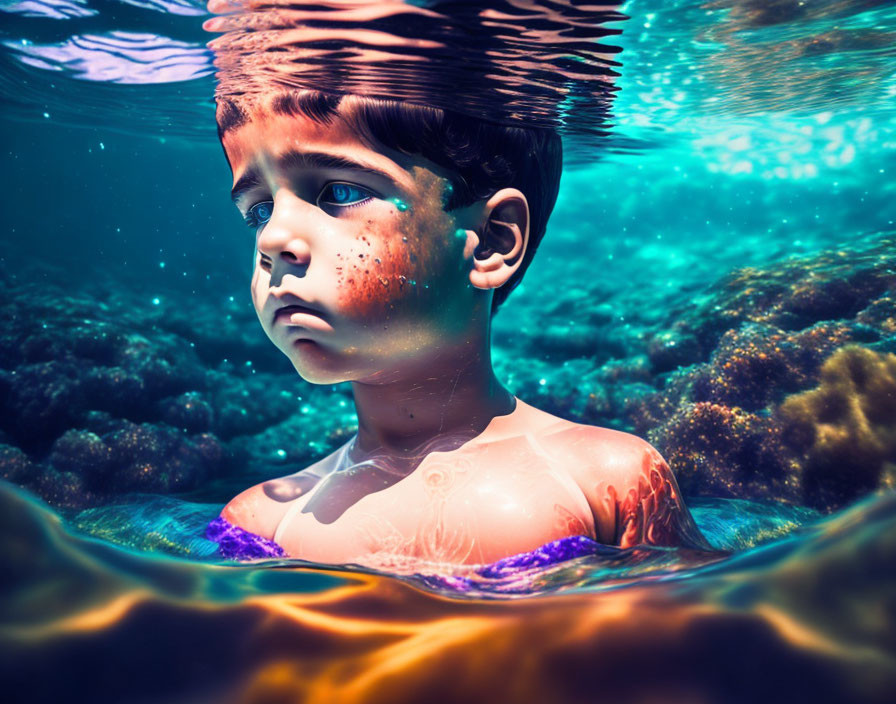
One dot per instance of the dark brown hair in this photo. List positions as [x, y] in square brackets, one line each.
[483, 156]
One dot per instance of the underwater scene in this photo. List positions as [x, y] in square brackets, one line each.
[718, 277]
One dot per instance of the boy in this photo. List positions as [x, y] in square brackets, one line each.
[387, 234]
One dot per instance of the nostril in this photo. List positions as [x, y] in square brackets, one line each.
[293, 252]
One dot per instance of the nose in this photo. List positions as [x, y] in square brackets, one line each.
[284, 238]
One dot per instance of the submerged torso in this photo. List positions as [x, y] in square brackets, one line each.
[505, 492]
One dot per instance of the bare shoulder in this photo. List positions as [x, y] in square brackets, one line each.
[614, 450]
[606, 463]
[630, 488]
[610, 453]
[259, 509]
[255, 511]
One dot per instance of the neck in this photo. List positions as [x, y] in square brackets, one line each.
[451, 396]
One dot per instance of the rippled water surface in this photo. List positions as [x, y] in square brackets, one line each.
[717, 277]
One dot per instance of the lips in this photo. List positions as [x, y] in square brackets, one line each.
[286, 312]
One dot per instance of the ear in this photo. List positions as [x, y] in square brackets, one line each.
[501, 240]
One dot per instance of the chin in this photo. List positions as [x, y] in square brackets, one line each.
[317, 365]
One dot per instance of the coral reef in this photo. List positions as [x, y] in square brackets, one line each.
[106, 392]
[846, 427]
[718, 450]
[853, 285]
[731, 370]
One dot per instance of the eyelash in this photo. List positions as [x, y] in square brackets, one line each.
[251, 218]
[254, 221]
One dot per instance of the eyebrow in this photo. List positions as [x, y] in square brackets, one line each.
[294, 159]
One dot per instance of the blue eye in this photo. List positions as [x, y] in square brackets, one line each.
[343, 194]
[259, 213]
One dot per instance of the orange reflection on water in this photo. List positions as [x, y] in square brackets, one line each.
[393, 640]
[809, 621]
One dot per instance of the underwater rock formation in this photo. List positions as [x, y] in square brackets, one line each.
[104, 393]
[743, 356]
[846, 427]
[15, 465]
[854, 286]
[718, 450]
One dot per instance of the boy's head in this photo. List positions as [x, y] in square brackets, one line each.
[431, 228]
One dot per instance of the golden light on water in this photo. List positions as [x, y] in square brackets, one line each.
[110, 620]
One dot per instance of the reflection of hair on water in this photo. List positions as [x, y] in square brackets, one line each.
[521, 63]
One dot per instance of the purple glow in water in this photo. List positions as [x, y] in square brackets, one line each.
[234, 543]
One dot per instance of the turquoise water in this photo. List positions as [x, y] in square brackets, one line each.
[697, 276]
[176, 527]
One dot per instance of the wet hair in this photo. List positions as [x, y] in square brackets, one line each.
[482, 157]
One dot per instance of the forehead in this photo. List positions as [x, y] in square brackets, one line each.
[267, 135]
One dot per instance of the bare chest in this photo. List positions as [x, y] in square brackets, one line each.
[473, 505]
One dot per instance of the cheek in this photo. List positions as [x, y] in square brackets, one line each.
[259, 288]
[374, 278]
[381, 273]
[253, 286]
